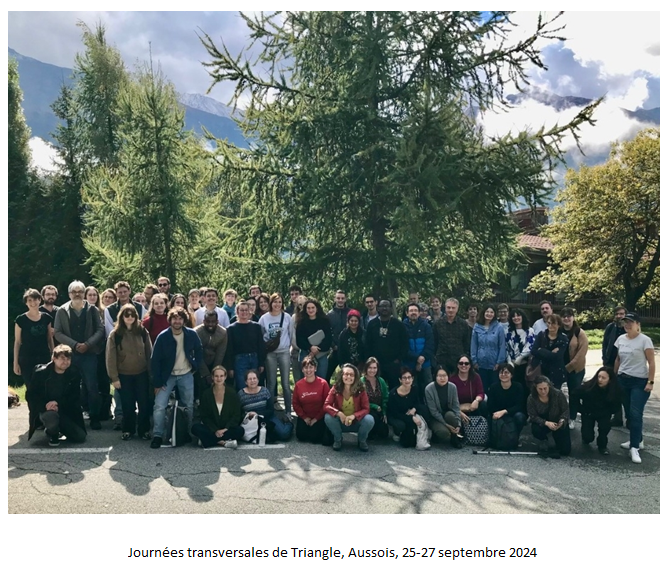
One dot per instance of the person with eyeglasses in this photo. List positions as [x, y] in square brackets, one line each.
[404, 408]
[470, 390]
[79, 326]
[506, 404]
[164, 286]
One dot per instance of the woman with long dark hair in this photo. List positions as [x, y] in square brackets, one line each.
[128, 360]
[314, 335]
[181, 301]
[378, 395]
[470, 390]
[519, 342]
[599, 399]
[487, 348]
[549, 349]
[348, 408]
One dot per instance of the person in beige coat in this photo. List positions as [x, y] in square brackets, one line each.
[575, 359]
[128, 359]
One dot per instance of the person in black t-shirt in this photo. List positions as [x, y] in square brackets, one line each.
[49, 296]
[33, 337]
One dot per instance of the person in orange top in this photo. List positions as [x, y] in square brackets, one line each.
[348, 408]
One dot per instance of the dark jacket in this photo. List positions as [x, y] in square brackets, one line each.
[596, 402]
[451, 340]
[94, 334]
[552, 363]
[165, 352]
[307, 327]
[231, 415]
[612, 333]
[389, 348]
[399, 405]
[421, 342]
[41, 391]
[558, 408]
[345, 343]
[337, 317]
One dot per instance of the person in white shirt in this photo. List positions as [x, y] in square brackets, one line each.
[546, 309]
[211, 298]
[635, 367]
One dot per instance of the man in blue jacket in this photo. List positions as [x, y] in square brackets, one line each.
[421, 347]
[176, 356]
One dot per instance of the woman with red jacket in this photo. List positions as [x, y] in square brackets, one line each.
[348, 408]
[309, 398]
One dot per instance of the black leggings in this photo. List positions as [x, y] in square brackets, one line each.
[317, 433]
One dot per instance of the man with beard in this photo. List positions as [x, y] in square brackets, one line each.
[49, 296]
[387, 340]
[452, 337]
[79, 326]
[214, 339]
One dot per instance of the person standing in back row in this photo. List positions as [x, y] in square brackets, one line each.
[452, 337]
[387, 340]
[337, 316]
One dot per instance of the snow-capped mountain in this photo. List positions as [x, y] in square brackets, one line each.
[206, 104]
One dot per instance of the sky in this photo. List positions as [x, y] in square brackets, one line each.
[611, 54]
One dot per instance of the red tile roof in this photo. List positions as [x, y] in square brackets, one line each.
[535, 242]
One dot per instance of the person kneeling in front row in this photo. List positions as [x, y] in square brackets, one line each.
[548, 413]
[348, 408]
[220, 413]
[54, 397]
[445, 412]
[309, 399]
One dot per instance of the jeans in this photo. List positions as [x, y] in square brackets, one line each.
[209, 439]
[362, 427]
[243, 363]
[634, 399]
[281, 357]
[321, 364]
[184, 386]
[134, 392]
[574, 380]
[282, 430]
[87, 364]
[56, 423]
[295, 364]
[489, 377]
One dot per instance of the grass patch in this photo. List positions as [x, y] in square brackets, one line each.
[21, 391]
[595, 336]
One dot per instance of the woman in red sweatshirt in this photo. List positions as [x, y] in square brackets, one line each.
[309, 397]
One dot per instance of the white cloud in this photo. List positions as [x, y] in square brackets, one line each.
[43, 154]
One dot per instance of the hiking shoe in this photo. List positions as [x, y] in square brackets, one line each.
[363, 446]
[626, 445]
[156, 442]
[54, 441]
[231, 444]
[337, 445]
[603, 450]
[571, 424]
[95, 425]
[635, 455]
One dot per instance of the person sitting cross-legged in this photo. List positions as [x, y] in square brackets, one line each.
[220, 413]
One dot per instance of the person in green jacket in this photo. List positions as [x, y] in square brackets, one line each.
[378, 393]
[221, 414]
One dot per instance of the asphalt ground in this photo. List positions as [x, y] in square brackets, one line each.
[108, 475]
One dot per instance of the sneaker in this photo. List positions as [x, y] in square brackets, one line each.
[603, 450]
[337, 445]
[54, 441]
[95, 425]
[146, 436]
[126, 436]
[87, 417]
[626, 445]
[635, 455]
[396, 438]
[232, 444]
[156, 442]
[571, 424]
[363, 446]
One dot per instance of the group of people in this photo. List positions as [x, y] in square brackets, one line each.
[427, 374]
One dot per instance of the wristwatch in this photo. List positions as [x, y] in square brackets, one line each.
[651, 382]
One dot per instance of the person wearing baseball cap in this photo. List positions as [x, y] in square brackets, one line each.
[635, 367]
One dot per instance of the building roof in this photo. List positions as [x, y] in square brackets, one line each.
[535, 242]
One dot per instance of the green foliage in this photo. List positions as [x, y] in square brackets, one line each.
[595, 336]
[143, 217]
[606, 229]
[365, 167]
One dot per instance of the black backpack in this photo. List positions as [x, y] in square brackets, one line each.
[504, 434]
[176, 425]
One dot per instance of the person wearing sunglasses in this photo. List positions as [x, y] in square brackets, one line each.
[163, 284]
[470, 390]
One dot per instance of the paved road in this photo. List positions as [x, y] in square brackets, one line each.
[127, 477]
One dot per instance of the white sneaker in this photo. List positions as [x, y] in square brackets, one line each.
[635, 455]
[626, 445]
[396, 438]
[231, 444]
[571, 424]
